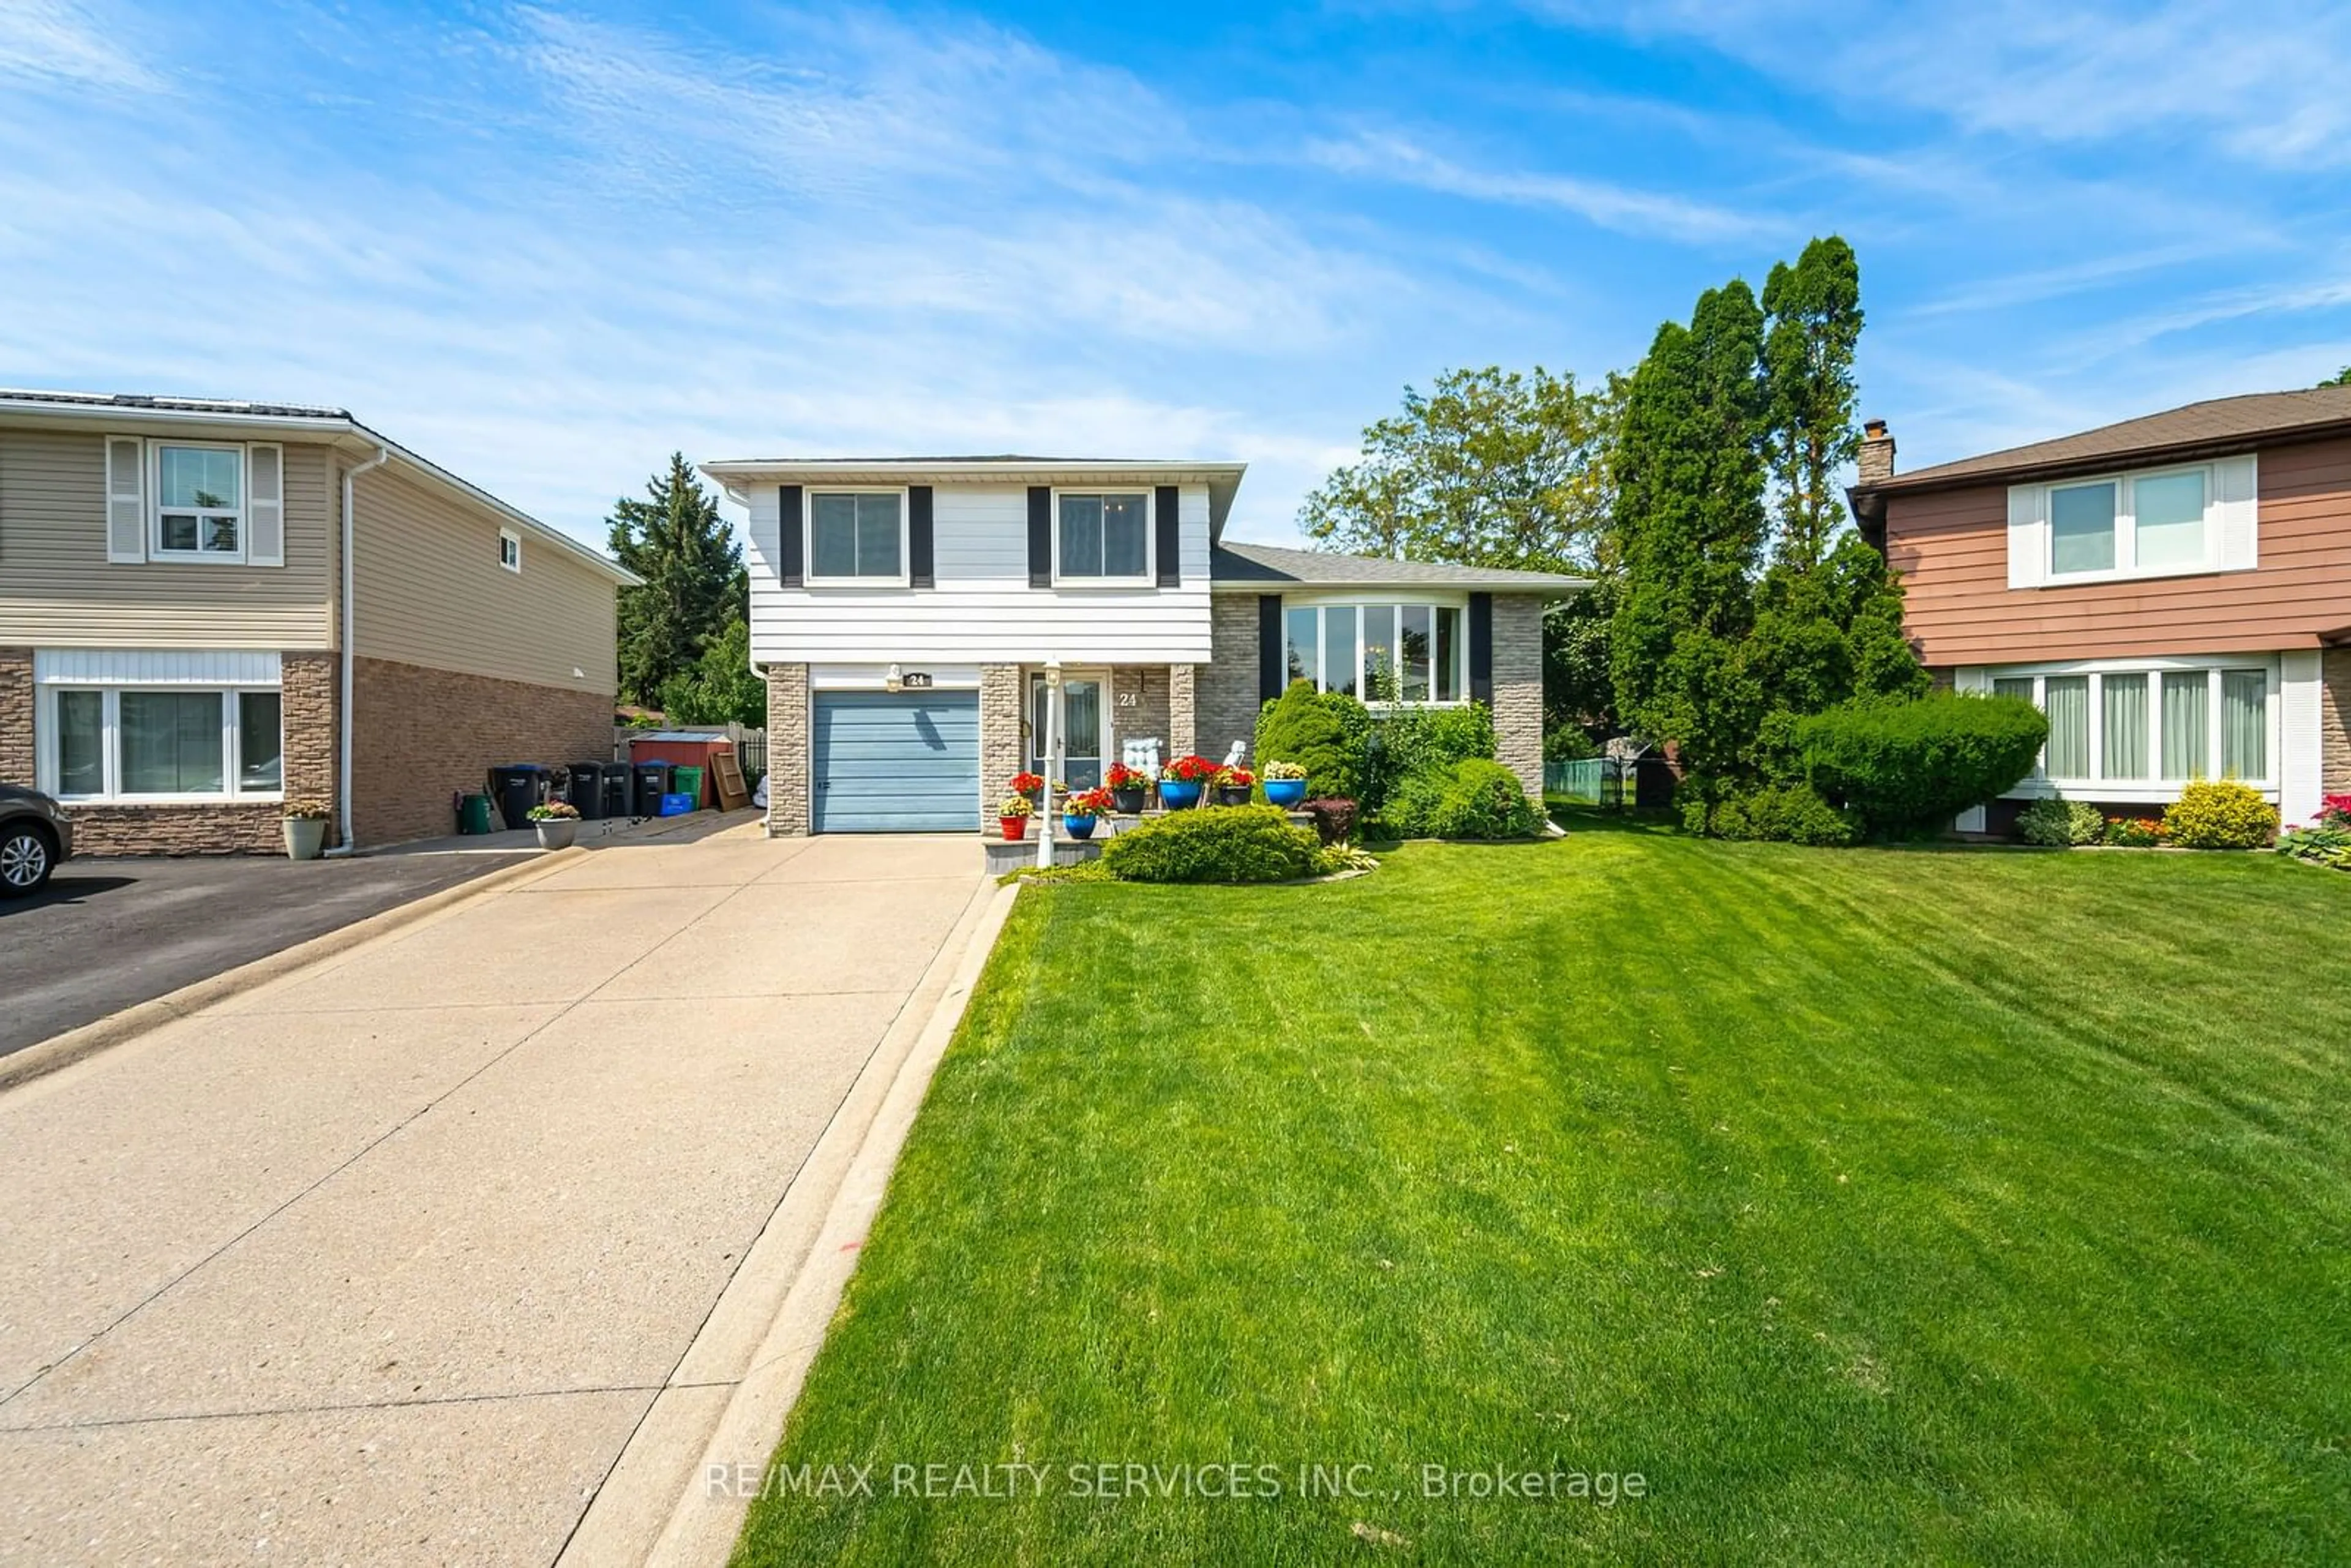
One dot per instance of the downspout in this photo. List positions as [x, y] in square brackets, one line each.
[344, 845]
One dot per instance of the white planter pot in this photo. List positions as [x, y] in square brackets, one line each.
[305, 837]
[557, 833]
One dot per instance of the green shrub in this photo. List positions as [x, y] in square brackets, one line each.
[1484, 799]
[1214, 843]
[2061, 822]
[1567, 741]
[2221, 814]
[1911, 766]
[1784, 813]
[1300, 726]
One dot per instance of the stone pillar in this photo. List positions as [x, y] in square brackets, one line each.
[1228, 692]
[787, 752]
[1183, 709]
[1518, 687]
[16, 717]
[307, 692]
[1002, 752]
[2334, 721]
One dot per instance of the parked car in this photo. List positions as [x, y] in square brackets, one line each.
[34, 835]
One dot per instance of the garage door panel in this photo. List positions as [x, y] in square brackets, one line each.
[896, 762]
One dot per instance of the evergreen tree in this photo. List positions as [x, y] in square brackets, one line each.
[719, 687]
[1815, 325]
[695, 583]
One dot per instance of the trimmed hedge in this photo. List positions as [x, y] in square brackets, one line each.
[1475, 798]
[1910, 767]
[1214, 843]
[1785, 813]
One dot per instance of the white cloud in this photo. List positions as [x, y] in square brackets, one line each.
[59, 42]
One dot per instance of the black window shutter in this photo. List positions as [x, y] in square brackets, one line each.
[919, 570]
[1481, 648]
[1040, 536]
[1165, 515]
[789, 535]
[1271, 662]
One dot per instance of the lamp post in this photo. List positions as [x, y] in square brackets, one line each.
[1051, 755]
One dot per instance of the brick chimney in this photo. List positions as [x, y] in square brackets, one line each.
[1877, 453]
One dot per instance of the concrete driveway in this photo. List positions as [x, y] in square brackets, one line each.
[387, 1259]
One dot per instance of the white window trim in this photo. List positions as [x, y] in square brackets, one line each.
[47, 762]
[2154, 789]
[243, 510]
[905, 578]
[1377, 602]
[1150, 577]
[509, 537]
[2126, 568]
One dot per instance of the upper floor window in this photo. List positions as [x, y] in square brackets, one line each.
[510, 549]
[1105, 537]
[857, 536]
[199, 501]
[2160, 523]
[1378, 652]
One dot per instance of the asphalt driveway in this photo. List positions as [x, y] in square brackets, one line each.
[391, 1258]
[109, 933]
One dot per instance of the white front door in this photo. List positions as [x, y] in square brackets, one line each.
[1082, 728]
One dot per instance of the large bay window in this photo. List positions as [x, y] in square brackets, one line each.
[1379, 651]
[157, 727]
[2151, 727]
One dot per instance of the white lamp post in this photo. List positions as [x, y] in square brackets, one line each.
[1051, 755]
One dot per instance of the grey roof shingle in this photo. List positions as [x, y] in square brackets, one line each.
[2213, 426]
[1235, 562]
[176, 404]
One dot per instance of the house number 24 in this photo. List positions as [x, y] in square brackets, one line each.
[1126, 699]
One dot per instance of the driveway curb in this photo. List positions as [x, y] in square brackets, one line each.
[59, 1051]
[802, 1260]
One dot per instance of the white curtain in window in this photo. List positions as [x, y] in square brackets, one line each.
[2124, 710]
[2168, 514]
[2245, 724]
[2186, 720]
[2066, 701]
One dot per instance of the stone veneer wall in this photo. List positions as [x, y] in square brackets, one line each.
[1225, 695]
[308, 690]
[2334, 721]
[1518, 686]
[1146, 717]
[1003, 750]
[787, 752]
[1182, 708]
[421, 735]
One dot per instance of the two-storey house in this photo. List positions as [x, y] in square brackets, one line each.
[924, 624]
[2173, 591]
[210, 610]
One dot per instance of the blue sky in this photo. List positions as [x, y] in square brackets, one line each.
[547, 246]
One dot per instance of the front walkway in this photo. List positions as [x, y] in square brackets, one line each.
[387, 1259]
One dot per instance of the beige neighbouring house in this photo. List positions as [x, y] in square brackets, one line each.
[173, 622]
[925, 623]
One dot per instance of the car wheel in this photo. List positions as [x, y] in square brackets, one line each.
[26, 861]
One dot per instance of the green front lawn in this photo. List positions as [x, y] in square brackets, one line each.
[1872, 1207]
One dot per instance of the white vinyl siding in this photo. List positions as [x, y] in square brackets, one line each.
[983, 610]
[2115, 528]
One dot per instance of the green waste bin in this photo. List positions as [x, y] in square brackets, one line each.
[473, 814]
[688, 782]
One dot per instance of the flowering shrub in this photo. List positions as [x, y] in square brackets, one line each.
[1189, 771]
[1236, 777]
[1121, 776]
[2136, 833]
[554, 811]
[2334, 811]
[1089, 803]
[2221, 814]
[1015, 805]
[1026, 783]
[1292, 770]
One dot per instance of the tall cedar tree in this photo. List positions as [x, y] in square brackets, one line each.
[1490, 468]
[1815, 325]
[1690, 529]
[693, 579]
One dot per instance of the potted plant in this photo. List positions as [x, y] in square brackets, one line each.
[306, 830]
[1285, 784]
[1031, 785]
[1126, 786]
[1181, 781]
[1013, 811]
[1233, 785]
[557, 824]
[1079, 810]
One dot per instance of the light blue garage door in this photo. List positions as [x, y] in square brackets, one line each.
[897, 762]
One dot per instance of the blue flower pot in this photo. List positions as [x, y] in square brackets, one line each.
[1178, 796]
[1285, 792]
[1078, 827]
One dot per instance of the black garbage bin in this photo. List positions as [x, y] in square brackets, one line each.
[587, 790]
[516, 787]
[618, 786]
[653, 783]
